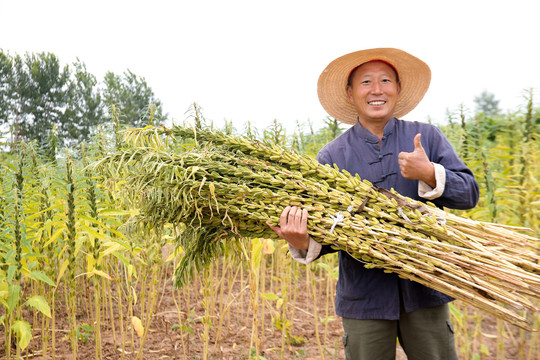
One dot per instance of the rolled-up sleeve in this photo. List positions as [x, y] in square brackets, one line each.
[427, 192]
[306, 256]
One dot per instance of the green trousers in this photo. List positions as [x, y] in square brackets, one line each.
[424, 334]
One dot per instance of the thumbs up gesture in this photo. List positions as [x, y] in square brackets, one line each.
[416, 165]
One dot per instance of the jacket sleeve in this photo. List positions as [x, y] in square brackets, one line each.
[324, 157]
[461, 191]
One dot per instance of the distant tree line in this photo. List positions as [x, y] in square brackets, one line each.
[40, 97]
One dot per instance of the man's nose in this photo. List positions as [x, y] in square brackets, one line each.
[376, 87]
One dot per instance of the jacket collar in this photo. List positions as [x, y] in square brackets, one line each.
[368, 136]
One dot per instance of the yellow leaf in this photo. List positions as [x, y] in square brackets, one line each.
[102, 274]
[212, 188]
[130, 270]
[202, 184]
[24, 333]
[90, 262]
[175, 253]
[137, 326]
[78, 245]
[62, 251]
[63, 268]
[99, 223]
[54, 236]
[35, 215]
[268, 247]
[114, 247]
[256, 252]
[38, 302]
[135, 297]
[94, 233]
[130, 212]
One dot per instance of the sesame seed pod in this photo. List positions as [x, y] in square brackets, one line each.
[236, 185]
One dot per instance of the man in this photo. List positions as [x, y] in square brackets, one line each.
[371, 89]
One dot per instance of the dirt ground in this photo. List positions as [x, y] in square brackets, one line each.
[167, 340]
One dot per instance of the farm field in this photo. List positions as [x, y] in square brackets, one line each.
[81, 278]
[174, 336]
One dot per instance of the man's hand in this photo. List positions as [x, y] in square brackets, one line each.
[293, 227]
[416, 165]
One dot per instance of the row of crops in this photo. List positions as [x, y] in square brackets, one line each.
[78, 275]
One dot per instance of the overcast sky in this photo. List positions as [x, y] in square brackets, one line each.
[260, 60]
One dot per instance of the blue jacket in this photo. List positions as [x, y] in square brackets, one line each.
[370, 293]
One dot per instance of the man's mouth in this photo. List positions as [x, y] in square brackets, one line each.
[377, 102]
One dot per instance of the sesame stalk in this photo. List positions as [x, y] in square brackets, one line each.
[226, 187]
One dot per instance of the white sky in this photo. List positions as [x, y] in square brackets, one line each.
[260, 60]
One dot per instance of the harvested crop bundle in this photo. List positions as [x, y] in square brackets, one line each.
[227, 187]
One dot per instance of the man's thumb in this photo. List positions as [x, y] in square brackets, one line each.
[276, 229]
[417, 143]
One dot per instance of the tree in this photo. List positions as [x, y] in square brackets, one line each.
[134, 97]
[6, 74]
[85, 108]
[486, 104]
[14, 91]
[47, 96]
[38, 93]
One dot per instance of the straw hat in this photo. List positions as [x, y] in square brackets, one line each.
[414, 77]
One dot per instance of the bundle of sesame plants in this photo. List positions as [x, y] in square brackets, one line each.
[224, 188]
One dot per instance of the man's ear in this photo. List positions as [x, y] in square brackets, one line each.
[349, 93]
[399, 88]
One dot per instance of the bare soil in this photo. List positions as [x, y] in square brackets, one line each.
[173, 337]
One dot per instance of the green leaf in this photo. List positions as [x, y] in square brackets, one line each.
[484, 350]
[269, 296]
[9, 165]
[54, 236]
[457, 315]
[11, 272]
[38, 302]
[95, 233]
[39, 213]
[327, 319]
[24, 333]
[38, 275]
[4, 303]
[332, 271]
[13, 297]
[97, 222]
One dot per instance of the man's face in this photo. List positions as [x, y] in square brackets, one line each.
[374, 91]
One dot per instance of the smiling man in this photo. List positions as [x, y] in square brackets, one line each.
[371, 89]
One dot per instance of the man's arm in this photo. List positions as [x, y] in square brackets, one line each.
[443, 177]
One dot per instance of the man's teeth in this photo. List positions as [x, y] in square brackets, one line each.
[377, 103]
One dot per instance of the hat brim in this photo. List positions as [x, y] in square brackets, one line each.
[414, 77]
